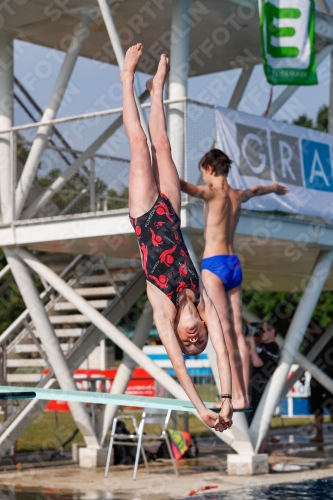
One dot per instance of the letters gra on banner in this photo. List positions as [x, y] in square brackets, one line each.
[266, 151]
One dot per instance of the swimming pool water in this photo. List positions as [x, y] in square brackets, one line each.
[320, 489]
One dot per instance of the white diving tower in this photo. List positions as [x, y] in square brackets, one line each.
[76, 213]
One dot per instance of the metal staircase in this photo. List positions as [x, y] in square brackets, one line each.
[98, 282]
[110, 285]
[114, 287]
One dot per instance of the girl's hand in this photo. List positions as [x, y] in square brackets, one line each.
[210, 418]
[219, 421]
[225, 416]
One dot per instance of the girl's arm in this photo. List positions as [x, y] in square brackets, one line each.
[222, 356]
[170, 342]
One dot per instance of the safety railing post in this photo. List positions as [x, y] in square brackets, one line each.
[13, 163]
[92, 184]
[3, 376]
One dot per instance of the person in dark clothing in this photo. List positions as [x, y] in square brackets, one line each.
[265, 356]
[321, 398]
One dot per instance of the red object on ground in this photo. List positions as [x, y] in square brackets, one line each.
[203, 488]
[141, 384]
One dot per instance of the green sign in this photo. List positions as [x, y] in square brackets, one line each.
[288, 41]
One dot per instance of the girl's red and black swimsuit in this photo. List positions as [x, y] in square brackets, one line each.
[165, 258]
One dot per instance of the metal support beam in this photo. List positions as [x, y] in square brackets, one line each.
[30, 411]
[299, 358]
[65, 176]
[299, 323]
[7, 335]
[236, 438]
[289, 91]
[124, 372]
[316, 349]
[316, 373]
[4, 271]
[119, 52]
[50, 343]
[94, 333]
[75, 200]
[240, 88]
[17, 423]
[37, 344]
[6, 120]
[92, 184]
[50, 113]
[323, 6]
[103, 324]
[179, 52]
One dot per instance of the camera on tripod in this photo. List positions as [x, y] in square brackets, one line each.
[255, 329]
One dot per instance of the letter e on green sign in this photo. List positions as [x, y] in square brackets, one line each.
[288, 41]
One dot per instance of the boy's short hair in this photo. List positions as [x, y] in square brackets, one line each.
[218, 160]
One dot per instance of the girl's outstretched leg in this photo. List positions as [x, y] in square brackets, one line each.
[142, 186]
[164, 169]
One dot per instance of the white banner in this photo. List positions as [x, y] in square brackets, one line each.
[266, 151]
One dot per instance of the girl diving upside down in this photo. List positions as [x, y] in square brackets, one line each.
[182, 309]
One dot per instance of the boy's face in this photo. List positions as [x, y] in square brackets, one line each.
[207, 174]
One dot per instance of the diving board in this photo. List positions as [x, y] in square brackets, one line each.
[7, 392]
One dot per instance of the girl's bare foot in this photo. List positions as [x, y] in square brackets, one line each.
[157, 82]
[132, 58]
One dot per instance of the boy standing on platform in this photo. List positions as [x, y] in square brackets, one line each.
[221, 268]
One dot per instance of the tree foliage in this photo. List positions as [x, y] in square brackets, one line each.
[74, 187]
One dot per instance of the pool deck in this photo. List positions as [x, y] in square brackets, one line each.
[161, 483]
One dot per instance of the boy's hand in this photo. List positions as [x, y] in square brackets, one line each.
[280, 190]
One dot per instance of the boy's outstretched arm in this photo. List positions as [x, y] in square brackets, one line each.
[192, 190]
[247, 194]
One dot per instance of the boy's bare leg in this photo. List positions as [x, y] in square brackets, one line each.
[164, 169]
[234, 297]
[215, 289]
[142, 186]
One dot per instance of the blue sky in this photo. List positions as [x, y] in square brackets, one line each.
[95, 86]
